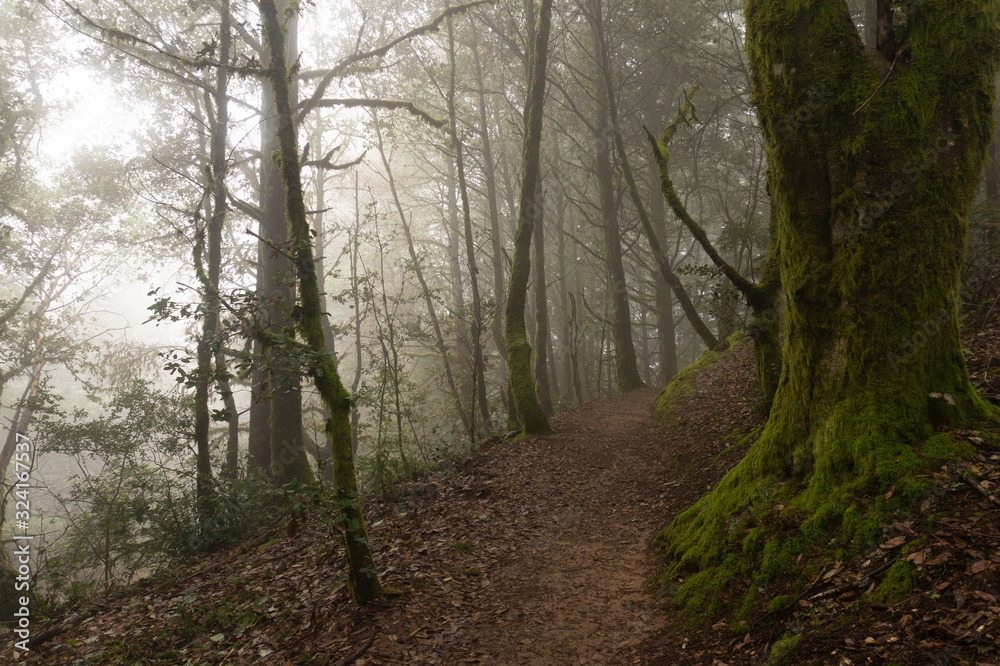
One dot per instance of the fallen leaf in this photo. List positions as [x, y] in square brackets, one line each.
[940, 559]
[979, 567]
[893, 543]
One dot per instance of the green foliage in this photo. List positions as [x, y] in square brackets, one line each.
[126, 512]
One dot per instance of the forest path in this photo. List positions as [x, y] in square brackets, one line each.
[554, 531]
[531, 552]
[577, 590]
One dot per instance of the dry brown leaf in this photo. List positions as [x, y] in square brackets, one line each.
[893, 543]
[979, 567]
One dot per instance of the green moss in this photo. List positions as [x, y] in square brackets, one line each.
[778, 603]
[898, 583]
[782, 649]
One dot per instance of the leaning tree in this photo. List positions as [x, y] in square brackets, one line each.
[875, 157]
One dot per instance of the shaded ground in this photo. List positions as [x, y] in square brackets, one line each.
[534, 552]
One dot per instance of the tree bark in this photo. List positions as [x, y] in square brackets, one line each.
[872, 186]
[496, 237]
[540, 365]
[424, 289]
[763, 298]
[666, 335]
[216, 181]
[478, 362]
[529, 411]
[288, 460]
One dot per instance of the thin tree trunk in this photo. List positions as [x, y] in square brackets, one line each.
[611, 108]
[356, 291]
[566, 320]
[666, 342]
[626, 367]
[455, 266]
[362, 578]
[319, 229]
[210, 278]
[478, 363]
[541, 346]
[496, 237]
[232, 465]
[529, 411]
[424, 289]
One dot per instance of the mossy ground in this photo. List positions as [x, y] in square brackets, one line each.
[778, 538]
[682, 383]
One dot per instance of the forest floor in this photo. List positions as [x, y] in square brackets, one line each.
[536, 552]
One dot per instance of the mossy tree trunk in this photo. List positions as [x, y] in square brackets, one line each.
[362, 578]
[522, 385]
[216, 181]
[874, 164]
[763, 298]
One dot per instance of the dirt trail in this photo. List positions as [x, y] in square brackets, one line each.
[577, 592]
[559, 534]
[533, 552]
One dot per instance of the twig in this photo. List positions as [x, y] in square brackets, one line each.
[49, 634]
[884, 80]
[351, 658]
[856, 583]
[982, 491]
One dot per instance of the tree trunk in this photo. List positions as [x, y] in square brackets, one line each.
[541, 366]
[478, 363]
[362, 578]
[626, 368]
[18, 428]
[424, 289]
[666, 340]
[496, 237]
[356, 294]
[319, 230]
[232, 465]
[529, 411]
[287, 444]
[455, 267]
[566, 320]
[210, 279]
[871, 189]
